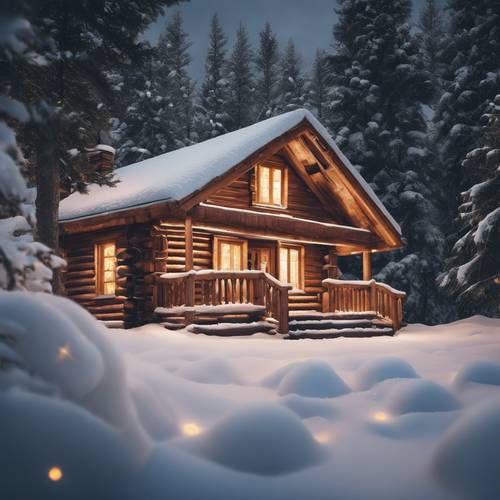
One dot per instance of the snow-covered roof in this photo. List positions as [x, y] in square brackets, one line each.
[175, 175]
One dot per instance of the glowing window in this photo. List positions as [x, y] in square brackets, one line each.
[270, 185]
[231, 255]
[105, 268]
[291, 266]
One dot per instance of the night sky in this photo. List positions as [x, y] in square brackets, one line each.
[308, 22]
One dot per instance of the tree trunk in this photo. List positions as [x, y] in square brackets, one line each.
[48, 195]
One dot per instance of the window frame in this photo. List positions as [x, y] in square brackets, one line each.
[301, 264]
[284, 185]
[99, 268]
[218, 240]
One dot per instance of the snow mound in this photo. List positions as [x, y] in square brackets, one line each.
[479, 372]
[308, 408]
[159, 422]
[210, 371]
[467, 459]
[70, 356]
[421, 396]
[41, 432]
[382, 369]
[262, 438]
[314, 379]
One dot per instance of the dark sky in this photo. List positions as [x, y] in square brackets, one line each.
[308, 22]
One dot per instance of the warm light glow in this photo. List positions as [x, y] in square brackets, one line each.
[322, 437]
[270, 185]
[55, 474]
[380, 416]
[64, 352]
[191, 429]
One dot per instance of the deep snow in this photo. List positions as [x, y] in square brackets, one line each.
[151, 414]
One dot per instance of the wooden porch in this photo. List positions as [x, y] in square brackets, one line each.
[245, 302]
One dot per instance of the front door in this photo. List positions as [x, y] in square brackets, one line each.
[261, 259]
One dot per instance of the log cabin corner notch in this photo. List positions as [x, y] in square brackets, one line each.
[276, 201]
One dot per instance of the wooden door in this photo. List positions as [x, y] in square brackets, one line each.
[261, 260]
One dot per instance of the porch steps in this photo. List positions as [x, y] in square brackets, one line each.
[233, 329]
[317, 325]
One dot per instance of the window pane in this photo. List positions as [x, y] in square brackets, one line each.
[109, 288]
[109, 276]
[236, 257]
[277, 173]
[109, 263]
[109, 250]
[284, 265]
[263, 185]
[294, 267]
[225, 257]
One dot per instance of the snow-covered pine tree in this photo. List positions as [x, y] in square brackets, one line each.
[267, 81]
[291, 88]
[375, 110]
[86, 41]
[212, 118]
[175, 84]
[317, 88]
[431, 37]
[472, 57]
[24, 263]
[473, 275]
[139, 129]
[241, 84]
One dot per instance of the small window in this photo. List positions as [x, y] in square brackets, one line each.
[291, 266]
[271, 185]
[105, 254]
[230, 254]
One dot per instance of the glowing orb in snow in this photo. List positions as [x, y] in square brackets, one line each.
[64, 352]
[55, 474]
[191, 429]
[380, 416]
[322, 437]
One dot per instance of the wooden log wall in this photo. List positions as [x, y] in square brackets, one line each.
[170, 255]
[79, 276]
[314, 273]
[301, 200]
[128, 308]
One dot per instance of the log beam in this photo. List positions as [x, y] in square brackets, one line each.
[367, 266]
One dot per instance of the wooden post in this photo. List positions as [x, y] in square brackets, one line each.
[367, 266]
[332, 267]
[188, 236]
[189, 297]
[283, 315]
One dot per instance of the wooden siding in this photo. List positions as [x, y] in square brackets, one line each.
[301, 200]
[133, 263]
[171, 251]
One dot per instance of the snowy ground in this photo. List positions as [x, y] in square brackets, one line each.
[416, 416]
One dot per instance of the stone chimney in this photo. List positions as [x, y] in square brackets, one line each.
[101, 158]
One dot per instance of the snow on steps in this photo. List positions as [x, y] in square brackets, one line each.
[339, 332]
[233, 329]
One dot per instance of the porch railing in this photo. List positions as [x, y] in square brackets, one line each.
[214, 288]
[365, 296]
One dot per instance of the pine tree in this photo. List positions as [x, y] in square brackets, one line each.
[241, 87]
[472, 56]
[213, 118]
[140, 130]
[431, 35]
[86, 41]
[175, 85]
[292, 82]
[318, 84]
[267, 64]
[375, 109]
[24, 263]
[473, 274]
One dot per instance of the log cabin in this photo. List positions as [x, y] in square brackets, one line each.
[234, 235]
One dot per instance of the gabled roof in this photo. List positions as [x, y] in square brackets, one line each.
[177, 175]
